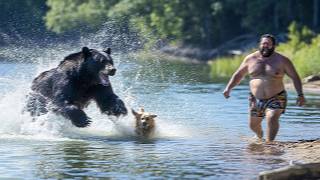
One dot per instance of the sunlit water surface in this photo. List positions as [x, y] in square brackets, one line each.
[200, 135]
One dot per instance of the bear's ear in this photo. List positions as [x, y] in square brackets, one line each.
[86, 51]
[108, 51]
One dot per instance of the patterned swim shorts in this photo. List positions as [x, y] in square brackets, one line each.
[258, 106]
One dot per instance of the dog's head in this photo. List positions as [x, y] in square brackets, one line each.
[144, 120]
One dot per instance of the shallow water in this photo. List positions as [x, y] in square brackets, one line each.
[200, 135]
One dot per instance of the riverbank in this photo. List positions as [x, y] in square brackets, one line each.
[303, 157]
[158, 55]
[308, 87]
[305, 151]
[312, 87]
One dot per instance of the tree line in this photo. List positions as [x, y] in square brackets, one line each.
[204, 23]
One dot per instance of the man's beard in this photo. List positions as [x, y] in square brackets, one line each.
[266, 52]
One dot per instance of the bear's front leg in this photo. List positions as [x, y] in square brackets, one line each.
[76, 115]
[118, 108]
[108, 102]
[64, 96]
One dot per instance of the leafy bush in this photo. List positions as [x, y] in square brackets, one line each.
[307, 59]
[303, 49]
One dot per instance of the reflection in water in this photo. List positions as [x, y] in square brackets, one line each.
[56, 158]
[81, 159]
[77, 156]
[73, 159]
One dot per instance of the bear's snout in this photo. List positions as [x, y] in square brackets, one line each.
[112, 71]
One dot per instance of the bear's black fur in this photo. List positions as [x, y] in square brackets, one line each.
[69, 87]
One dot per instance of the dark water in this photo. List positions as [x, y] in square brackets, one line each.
[200, 135]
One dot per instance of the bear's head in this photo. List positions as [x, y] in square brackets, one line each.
[98, 64]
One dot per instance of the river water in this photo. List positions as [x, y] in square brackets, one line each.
[199, 134]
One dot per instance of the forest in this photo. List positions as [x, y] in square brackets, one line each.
[204, 24]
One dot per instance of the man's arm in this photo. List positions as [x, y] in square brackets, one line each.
[292, 73]
[236, 78]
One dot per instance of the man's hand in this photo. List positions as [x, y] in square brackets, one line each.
[226, 93]
[301, 100]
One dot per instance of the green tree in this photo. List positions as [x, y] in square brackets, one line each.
[205, 23]
[22, 18]
[70, 15]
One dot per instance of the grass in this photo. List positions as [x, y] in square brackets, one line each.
[224, 67]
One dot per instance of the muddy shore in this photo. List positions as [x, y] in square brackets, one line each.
[303, 151]
[303, 157]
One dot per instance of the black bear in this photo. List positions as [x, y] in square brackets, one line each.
[68, 88]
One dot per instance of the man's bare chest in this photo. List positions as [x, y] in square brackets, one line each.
[258, 68]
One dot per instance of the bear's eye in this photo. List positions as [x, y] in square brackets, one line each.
[102, 60]
[108, 61]
[99, 58]
[96, 57]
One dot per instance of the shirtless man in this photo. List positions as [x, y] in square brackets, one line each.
[268, 97]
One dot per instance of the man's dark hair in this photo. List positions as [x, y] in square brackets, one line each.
[270, 36]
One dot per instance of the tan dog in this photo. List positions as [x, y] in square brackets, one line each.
[145, 123]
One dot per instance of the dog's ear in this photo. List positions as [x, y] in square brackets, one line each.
[134, 112]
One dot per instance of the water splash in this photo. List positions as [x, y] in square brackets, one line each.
[33, 60]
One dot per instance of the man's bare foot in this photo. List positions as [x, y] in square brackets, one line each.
[258, 139]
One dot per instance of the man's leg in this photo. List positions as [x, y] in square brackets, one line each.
[272, 117]
[255, 125]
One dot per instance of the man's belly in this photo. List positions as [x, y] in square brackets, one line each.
[266, 88]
